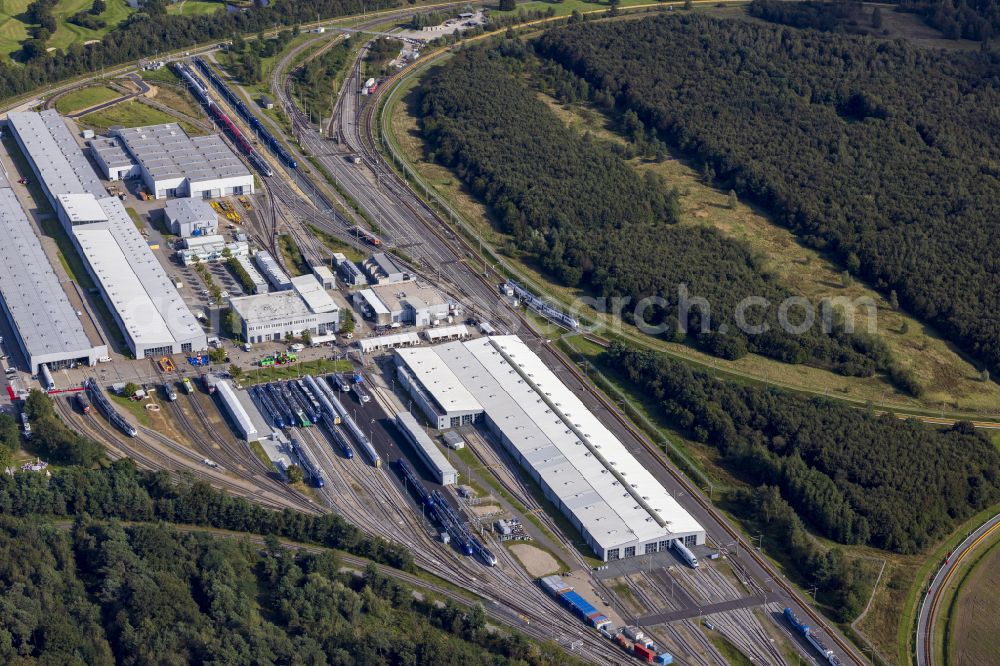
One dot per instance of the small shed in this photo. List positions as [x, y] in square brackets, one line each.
[266, 102]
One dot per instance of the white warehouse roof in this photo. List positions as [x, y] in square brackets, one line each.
[438, 380]
[444, 472]
[144, 297]
[55, 154]
[167, 152]
[186, 210]
[46, 322]
[596, 479]
[313, 293]
[81, 208]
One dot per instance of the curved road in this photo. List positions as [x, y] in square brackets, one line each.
[929, 607]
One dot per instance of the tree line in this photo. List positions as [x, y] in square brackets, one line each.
[53, 440]
[879, 153]
[152, 30]
[106, 593]
[123, 492]
[854, 476]
[838, 16]
[586, 217]
[967, 19]
[318, 80]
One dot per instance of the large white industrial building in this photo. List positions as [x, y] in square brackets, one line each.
[619, 507]
[173, 164]
[140, 295]
[271, 316]
[45, 324]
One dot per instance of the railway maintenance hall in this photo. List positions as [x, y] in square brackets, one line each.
[583, 468]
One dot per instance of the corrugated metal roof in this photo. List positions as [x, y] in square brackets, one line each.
[313, 293]
[587, 486]
[135, 281]
[439, 380]
[45, 319]
[57, 157]
[185, 210]
[443, 470]
[167, 152]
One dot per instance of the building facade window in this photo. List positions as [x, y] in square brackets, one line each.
[186, 347]
[456, 421]
[650, 548]
[630, 551]
[613, 555]
[690, 540]
[664, 545]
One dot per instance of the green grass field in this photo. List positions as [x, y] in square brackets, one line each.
[968, 622]
[68, 33]
[193, 7]
[131, 114]
[12, 30]
[84, 98]
[294, 371]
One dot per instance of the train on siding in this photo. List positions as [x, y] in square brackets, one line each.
[332, 416]
[200, 91]
[366, 236]
[264, 401]
[540, 306]
[357, 434]
[309, 466]
[315, 411]
[263, 134]
[105, 407]
[441, 512]
[811, 637]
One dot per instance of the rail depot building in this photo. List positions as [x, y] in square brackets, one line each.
[141, 297]
[582, 467]
[270, 316]
[44, 322]
[173, 164]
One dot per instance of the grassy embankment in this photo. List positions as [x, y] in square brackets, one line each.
[952, 382]
[131, 114]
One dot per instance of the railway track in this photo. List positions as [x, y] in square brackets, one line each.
[815, 618]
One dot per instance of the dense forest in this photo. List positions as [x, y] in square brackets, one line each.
[856, 477]
[589, 219]
[969, 19]
[884, 155]
[105, 593]
[152, 31]
[123, 492]
[837, 16]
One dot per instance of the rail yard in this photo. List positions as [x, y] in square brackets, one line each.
[622, 559]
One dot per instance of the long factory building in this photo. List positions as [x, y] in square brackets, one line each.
[583, 468]
[140, 295]
[45, 323]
